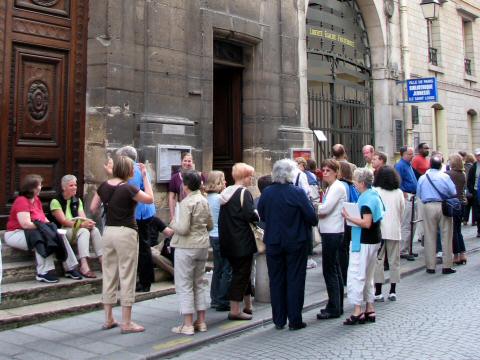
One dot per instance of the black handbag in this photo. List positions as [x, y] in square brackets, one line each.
[451, 207]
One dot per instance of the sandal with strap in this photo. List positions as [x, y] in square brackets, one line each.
[88, 274]
[111, 325]
[353, 320]
[370, 316]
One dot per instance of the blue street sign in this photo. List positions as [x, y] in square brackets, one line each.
[422, 90]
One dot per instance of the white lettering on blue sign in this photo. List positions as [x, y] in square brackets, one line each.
[422, 90]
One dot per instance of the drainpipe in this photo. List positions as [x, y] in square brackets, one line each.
[407, 119]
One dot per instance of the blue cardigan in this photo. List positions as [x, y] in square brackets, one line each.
[288, 215]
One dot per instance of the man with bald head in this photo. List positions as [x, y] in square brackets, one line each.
[409, 187]
[368, 152]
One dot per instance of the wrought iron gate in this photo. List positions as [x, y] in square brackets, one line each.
[339, 77]
[343, 121]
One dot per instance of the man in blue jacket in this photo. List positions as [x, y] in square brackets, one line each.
[409, 187]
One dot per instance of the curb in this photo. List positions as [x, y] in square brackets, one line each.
[266, 321]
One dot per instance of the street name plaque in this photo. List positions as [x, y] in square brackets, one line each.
[422, 90]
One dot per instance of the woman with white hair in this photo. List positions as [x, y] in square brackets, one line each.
[366, 238]
[289, 216]
[68, 213]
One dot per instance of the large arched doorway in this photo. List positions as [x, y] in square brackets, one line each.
[339, 77]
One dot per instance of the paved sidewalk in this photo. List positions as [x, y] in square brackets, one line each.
[80, 337]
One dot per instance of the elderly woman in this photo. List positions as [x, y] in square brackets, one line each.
[68, 213]
[331, 227]
[27, 215]
[289, 216]
[237, 242]
[457, 175]
[191, 242]
[120, 240]
[387, 184]
[366, 238]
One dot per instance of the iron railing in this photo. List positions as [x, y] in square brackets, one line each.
[347, 122]
[433, 56]
[468, 66]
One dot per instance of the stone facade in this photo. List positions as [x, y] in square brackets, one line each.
[150, 78]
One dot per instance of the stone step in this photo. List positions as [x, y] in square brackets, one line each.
[31, 292]
[30, 314]
[10, 254]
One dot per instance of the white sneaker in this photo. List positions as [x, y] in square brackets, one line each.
[392, 297]
[311, 264]
[379, 298]
[185, 330]
[439, 254]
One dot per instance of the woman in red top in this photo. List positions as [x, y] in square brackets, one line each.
[26, 209]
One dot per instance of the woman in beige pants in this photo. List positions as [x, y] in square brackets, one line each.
[120, 240]
[191, 241]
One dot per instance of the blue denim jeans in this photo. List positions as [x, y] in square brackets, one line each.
[222, 275]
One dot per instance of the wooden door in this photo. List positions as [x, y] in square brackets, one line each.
[42, 92]
[227, 119]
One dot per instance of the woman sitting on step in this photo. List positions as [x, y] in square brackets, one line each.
[67, 211]
[27, 215]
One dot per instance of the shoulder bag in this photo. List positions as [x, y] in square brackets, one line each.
[257, 231]
[451, 207]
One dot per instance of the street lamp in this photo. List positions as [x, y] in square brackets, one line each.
[430, 9]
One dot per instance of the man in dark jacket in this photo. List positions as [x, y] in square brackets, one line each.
[472, 187]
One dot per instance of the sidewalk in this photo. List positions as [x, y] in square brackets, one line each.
[80, 337]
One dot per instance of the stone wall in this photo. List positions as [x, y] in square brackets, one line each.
[150, 72]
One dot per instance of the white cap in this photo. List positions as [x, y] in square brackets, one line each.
[477, 151]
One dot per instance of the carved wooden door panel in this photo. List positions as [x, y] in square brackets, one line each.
[42, 91]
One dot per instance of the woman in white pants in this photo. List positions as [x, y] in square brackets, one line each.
[65, 208]
[387, 184]
[191, 241]
[366, 238]
[26, 209]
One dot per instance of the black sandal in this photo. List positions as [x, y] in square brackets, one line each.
[370, 316]
[353, 320]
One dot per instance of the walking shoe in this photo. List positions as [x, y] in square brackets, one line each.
[200, 326]
[392, 297]
[408, 257]
[185, 330]
[73, 274]
[430, 271]
[379, 298]
[311, 264]
[449, 271]
[48, 278]
[439, 254]
[294, 327]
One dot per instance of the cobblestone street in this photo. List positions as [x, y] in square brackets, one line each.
[435, 317]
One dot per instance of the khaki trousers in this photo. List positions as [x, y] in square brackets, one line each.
[433, 219]
[393, 255]
[83, 241]
[190, 283]
[120, 258]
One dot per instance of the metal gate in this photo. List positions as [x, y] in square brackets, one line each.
[339, 77]
[343, 121]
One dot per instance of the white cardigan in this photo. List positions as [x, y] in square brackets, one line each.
[330, 210]
[391, 225]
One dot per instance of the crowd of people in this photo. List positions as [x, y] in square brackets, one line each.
[367, 216]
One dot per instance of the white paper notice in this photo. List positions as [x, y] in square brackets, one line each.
[353, 210]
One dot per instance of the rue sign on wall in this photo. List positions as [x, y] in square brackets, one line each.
[422, 90]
